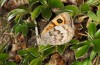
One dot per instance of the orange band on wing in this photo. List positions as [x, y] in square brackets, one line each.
[48, 27]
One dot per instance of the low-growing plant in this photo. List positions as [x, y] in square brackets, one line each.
[24, 17]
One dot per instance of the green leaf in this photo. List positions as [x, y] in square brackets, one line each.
[2, 2]
[24, 29]
[74, 41]
[46, 12]
[27, 59]
[61, 48]
[55, 3]
[33, 6]
[17, 19]
[98, 53]
[87, 62]
[93, 2]
[43, 48]
[3, 56]
[92, 55]
[81, 51]
[90, 2]
[77, 63]
[12, 16]
[85, 7]
[33, 51]
[80, 44]
[14, 13]
[32, 1]
[36, 61]
[48, 51]
[17, 28]
[92, 29]
[2, 63]
[31, 24]
[96, 46]
[97, 34]
[47, 64]
[44, 2]
[70, 8]
[22, 52]
[98, 16]
[2, 47]
[10, 63]
[92, 16]
[36, 12]
[14, 27]
[76, 46]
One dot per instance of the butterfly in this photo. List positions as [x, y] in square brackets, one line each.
[60, 30]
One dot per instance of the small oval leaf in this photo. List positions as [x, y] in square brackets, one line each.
[96, 46]
[2, 2]
[97, 34]
[81, 51]
[70, 8]
[92, 29]
[33, 51]
[46, 12]
[22, 52]
[48, 51]
[24, 29]
[92, 16]
[36, 12]
[98, 16]
[55, 3]
[3, 56]
[44, 2]
[87, 62]
[10, 63]
[36, 61]
[92, 55]
[14, 13]
[85, 7]
[61, 48]
[17, 28]
[77, 63]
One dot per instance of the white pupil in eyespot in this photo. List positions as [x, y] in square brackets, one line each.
[59, 20]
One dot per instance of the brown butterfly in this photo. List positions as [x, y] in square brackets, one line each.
[60, 30]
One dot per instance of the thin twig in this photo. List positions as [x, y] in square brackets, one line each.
[89, 35]
[36, 31]
[82, 34]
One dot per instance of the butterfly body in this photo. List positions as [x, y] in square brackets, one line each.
[59, 31]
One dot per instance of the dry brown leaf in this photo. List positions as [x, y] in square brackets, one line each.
[56, 59]
[11, 4]
[88, 22]
[15, 47]
[18, 58]
[21, 41]
[80, 19]
[20, 38]
[69, 56]
[23, 45]
[78, 27]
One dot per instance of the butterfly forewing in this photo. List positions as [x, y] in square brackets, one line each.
[58, 31]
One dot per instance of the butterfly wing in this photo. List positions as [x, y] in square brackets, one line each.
[59, 31]
[58, 35]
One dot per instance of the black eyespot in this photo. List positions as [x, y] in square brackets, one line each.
[59, 20]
